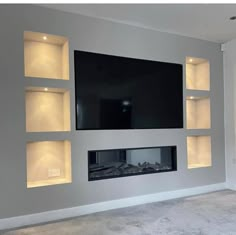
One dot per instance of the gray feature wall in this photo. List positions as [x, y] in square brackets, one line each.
[90, 34]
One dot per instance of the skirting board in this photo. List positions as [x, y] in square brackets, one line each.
[231, 186]
[54, 215]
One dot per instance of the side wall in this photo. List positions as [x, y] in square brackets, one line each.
[230, 112]
[86, 33]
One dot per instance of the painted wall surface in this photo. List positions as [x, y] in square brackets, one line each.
[230, 111]
[96, 35]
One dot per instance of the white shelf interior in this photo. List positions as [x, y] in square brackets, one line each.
[46, 56]
[198, 112]
[199, 151]
[197, 74]
[47, 109]
[48, 163]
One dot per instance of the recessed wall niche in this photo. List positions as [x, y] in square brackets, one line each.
[199, 151]
[198, 112]
[46, 56]
[47, 109]
[197, 74]
[48, 163]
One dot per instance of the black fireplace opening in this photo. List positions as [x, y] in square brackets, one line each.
[111, 163]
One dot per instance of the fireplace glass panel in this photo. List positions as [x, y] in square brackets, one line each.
[105, 164]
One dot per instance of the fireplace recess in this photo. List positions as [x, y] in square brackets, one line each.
[112, 163]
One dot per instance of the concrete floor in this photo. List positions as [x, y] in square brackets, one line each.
[208, 214]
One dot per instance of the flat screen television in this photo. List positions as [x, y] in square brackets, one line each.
[114, 92]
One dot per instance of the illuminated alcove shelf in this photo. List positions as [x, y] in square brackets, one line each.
[199, 151]
[197, 74]
[47, 109]
[48, 163]
[198, 112]
[46, 56]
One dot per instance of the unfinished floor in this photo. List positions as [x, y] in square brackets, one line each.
[208, 214]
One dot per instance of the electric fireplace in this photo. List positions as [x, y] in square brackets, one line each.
[110, 163]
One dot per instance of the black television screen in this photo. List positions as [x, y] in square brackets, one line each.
[114, 92]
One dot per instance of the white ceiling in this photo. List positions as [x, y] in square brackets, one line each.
[205, 21]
